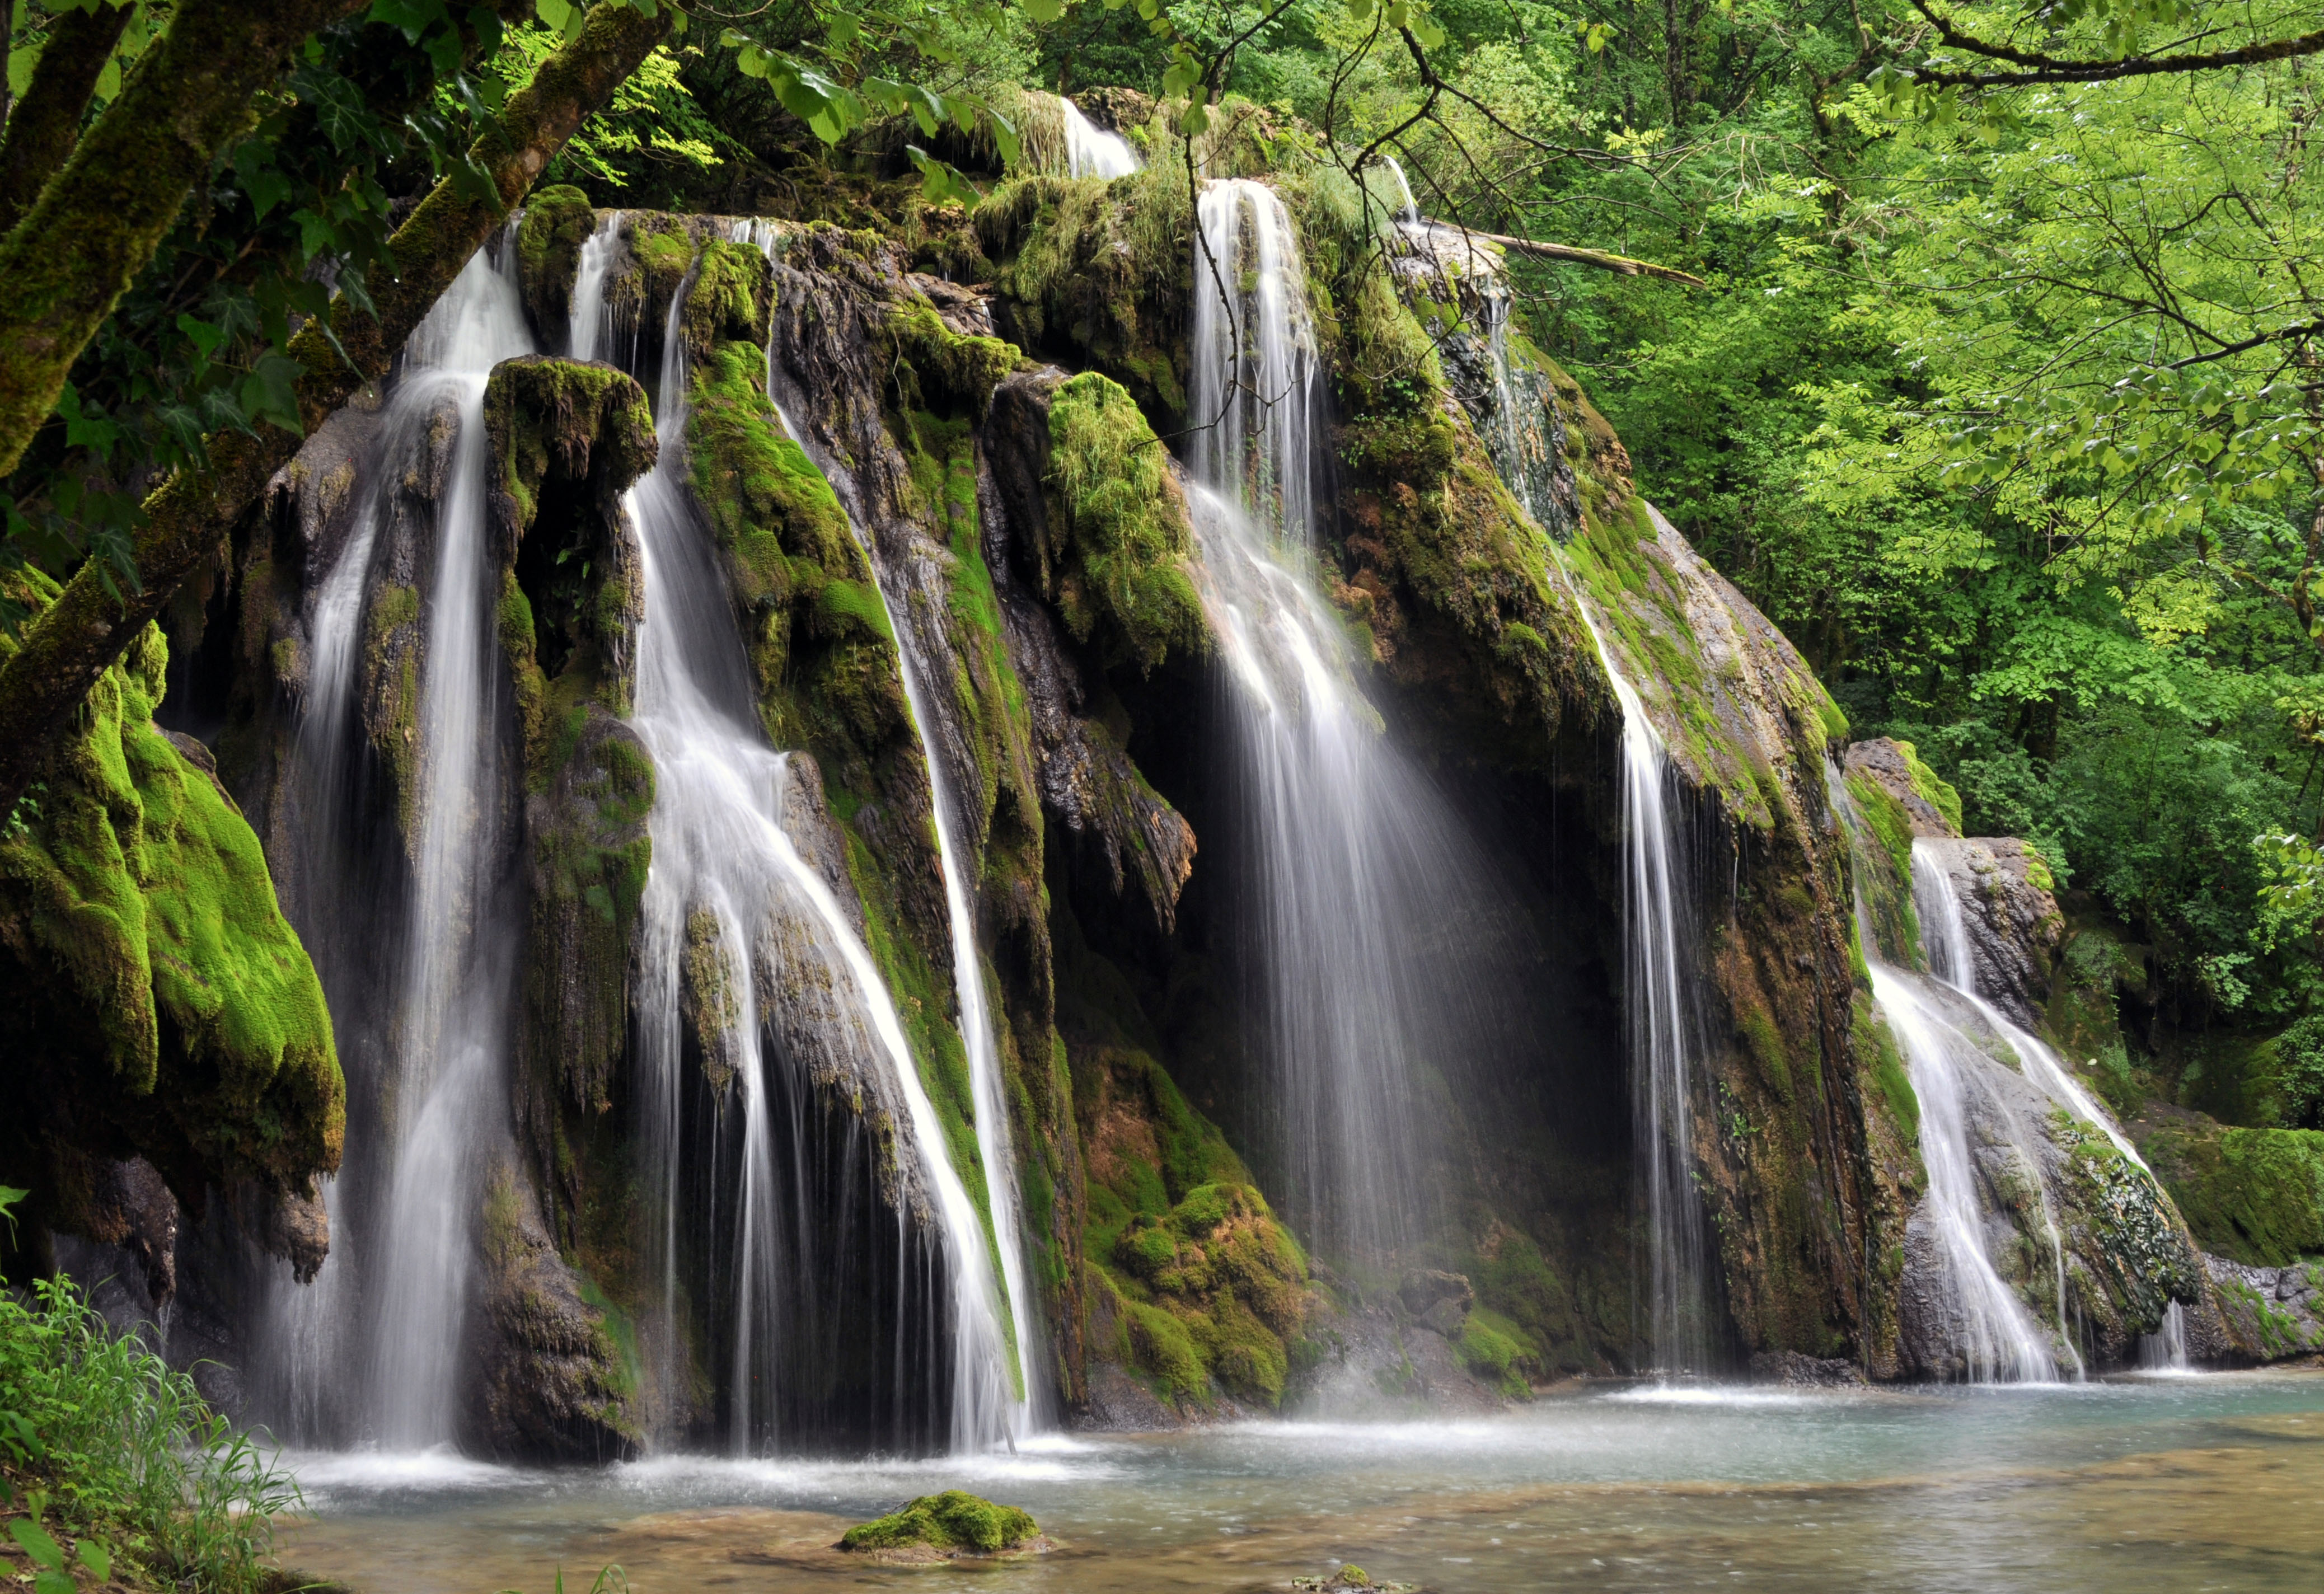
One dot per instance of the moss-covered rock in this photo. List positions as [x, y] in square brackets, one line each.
[1096, 272]
[954, 1522]
[2253, 1195]
[558, 220]
[163, 1006]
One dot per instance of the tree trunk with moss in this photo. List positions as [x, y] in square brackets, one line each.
[94, 228]
[41, 130]
[68, 648]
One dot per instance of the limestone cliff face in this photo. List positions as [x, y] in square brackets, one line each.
[869, 441]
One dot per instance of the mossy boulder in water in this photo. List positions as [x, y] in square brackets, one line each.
[954, 1522]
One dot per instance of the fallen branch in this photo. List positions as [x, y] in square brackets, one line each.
[1622, 264]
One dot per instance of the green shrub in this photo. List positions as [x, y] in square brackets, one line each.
[101, 1437]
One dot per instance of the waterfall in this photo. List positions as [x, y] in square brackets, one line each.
[453, 1014]
[1989, 1327]
[1944, 936]
[1992, 1330]
[2165, 1350]
[1661, 1029]
[722, 869]
[1012, 1318]
[1362, 886]
[1090, 150]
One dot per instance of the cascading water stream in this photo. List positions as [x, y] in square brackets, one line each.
[1018, 1328]
[1356, 869]
[720, 849]
[1945, 936]
[453, 1018]
[1991, 1330]
[303, 1326]
[1090, 150]
[1661, 1029]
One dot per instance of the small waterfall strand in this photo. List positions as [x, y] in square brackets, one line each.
[1661, 1025]
[453, 1018]
[1358, 880]
[983, 1413]
[1991, 1328]
[1945, 936]
[1090, 150]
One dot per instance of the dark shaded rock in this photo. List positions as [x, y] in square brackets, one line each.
[128, 1204]
[296, 1228]
[554, 1379]
[1422, 1288]
[1790, 1369]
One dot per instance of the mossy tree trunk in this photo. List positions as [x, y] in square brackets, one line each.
[41, 130]
[69, 646]
[96, 224]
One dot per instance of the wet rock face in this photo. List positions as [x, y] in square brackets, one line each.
[554, 1381]
[2012, 920]
[2266, 1313]
[2062, 1207]
[1898, 771]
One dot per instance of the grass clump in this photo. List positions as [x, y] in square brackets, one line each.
[102, 1441]
[954, 1522]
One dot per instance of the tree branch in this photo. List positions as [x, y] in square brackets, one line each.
[44, 127]
[1622, 264]
[100, 220]
[2040, 68]
[67, 647]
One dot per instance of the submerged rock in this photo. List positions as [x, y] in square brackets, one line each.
[944, 1527]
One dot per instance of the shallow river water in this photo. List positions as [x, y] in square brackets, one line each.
[2185, 1483]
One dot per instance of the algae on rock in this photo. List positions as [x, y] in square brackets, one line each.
[165, 1008]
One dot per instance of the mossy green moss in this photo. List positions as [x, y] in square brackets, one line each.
[1939, 796]
[815, 630]
[953, 1521]
[733, 294]
[1120, 525]
[951, 371]
[558, 220]
[1885, 876]
[1495, 1349]
[2256, 1196]
[1096, 272]
[153, 972]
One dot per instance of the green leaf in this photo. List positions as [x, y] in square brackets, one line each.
[20, 62]
[97, 1558]
[1045, 11]
[203, 336]
[553, 13]
[927, 109]
[1196, 120]
[34, 1540]
[1005, 136]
